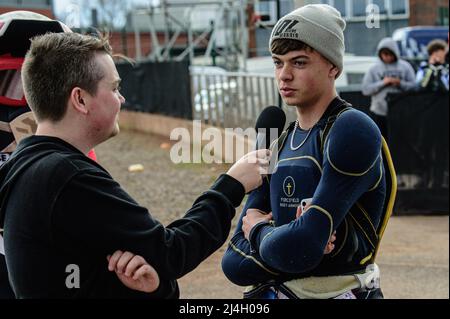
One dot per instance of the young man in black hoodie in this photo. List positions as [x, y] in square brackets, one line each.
[62, 213]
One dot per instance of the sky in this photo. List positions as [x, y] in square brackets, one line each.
[75, 13]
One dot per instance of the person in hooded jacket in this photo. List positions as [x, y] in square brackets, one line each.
[390, 75]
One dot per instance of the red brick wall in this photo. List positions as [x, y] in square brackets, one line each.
[126, 44]
[251, 30]
[425, 12]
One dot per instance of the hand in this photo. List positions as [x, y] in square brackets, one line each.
[395, 81]
[250, 169]
[391, 81]
[253, 217]
[330, 246]
[133, 271]
[300, 211]
[387, 81]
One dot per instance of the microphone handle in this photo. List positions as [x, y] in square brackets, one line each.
[260, 141]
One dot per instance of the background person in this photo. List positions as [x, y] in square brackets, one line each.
[389, 75]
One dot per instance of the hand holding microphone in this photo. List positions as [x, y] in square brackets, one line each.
[251, 167]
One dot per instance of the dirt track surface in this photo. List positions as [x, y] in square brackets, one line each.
[414, 255]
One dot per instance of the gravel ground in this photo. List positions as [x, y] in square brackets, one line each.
[168, 190]
[414, 257]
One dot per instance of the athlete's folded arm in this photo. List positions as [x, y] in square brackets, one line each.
[244, 267]
[350, 167]
[240, 264]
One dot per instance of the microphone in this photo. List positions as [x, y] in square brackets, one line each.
[271, 118]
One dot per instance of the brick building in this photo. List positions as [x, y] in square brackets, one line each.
[124, 42]
[426, 12]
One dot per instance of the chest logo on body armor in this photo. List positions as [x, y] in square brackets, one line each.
[289, 186]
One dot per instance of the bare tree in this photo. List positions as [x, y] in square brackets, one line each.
[103, 14]
[112, 13]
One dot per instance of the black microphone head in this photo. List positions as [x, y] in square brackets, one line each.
[271, 117]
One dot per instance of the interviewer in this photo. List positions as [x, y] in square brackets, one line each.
[62, 211]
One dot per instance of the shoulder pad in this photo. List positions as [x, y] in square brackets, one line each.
[353, 144]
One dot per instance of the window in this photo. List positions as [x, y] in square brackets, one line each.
[268, 9]
[398, 7]
[286, 6]
[359, 8]
[35, 2]
[27, 3]
[381, 4]
[340, 6]
[264, 6]
[443, 16]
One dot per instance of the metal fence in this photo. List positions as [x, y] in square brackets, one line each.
[231, 99]
[235, 99]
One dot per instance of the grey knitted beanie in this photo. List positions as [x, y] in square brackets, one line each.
[318, 25]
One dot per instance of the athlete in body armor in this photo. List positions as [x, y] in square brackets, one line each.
[332, 160]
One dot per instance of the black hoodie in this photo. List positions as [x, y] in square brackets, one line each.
[62, 214]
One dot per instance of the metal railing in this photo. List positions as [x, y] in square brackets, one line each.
[231, 99]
